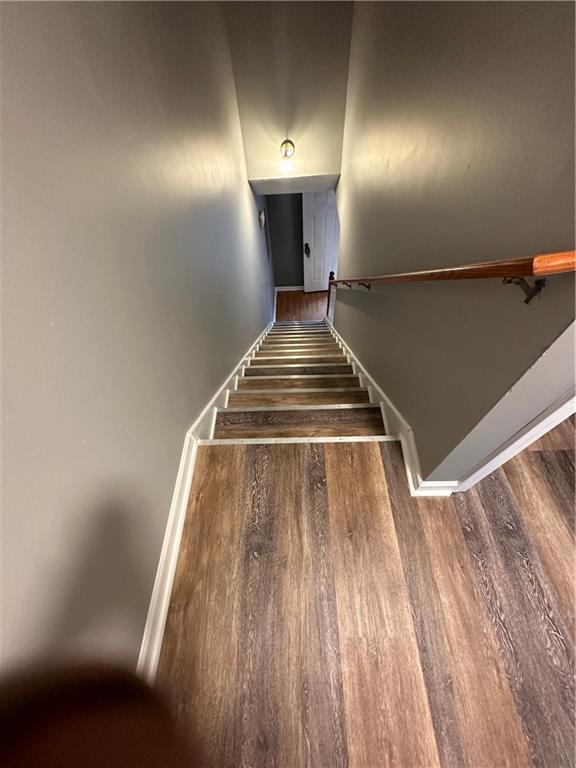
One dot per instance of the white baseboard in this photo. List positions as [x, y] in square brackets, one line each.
[201, 429]
[418, 486]
[555, 414]
[396, 424]
[160, 601]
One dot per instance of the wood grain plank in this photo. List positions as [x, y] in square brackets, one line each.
[274, 351]
[256, 670]
[533, 639]
[383, 685]
[298, 370]
[308, 359]
[298, 305]
[300, 338]
[198, 663]
[326, 397]
[544, 506]
[299, 382]
[472, 707]
[305, 423]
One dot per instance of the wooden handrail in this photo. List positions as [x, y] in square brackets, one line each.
[541, 264]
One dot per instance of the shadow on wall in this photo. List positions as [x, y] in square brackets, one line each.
[108, 587]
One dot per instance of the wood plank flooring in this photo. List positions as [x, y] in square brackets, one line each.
[321, 616]
[298, 305]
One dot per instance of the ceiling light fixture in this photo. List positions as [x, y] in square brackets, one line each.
[287, 149]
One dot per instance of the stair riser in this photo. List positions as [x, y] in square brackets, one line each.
[294, 360]
[324, 339]
[295, 423]
[299, 344]
[297, 326]
[299, 352]
[298, 382]
[297, 370]
[239, 399]
[289, 331]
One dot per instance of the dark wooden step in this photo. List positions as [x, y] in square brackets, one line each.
[300, 340]
[298, 382]
[296, 360]
[295, 324]
[296, 370]
[329, 349]
[333, 422]
[311, 335]
[299, 344]
[323, 397]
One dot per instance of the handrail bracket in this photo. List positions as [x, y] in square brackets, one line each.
[530, 291]
[366, 285]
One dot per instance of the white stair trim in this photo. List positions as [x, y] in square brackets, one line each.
[201, 429]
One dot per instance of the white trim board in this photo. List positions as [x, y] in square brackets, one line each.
[555, 414]
[160, 600]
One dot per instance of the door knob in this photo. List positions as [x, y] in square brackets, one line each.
[307, 249]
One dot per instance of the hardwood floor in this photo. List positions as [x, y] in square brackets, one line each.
[297, 305]
[321, 616]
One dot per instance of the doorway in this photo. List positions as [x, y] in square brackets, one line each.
[303, 237]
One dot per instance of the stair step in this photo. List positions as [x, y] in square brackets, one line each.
[300, 324]
[298, 382]
[305, 422]
[289, 343]
[266, 351]
[324, 338]
[297, 370]
[297, 331]
[313, 397]
[299, 360]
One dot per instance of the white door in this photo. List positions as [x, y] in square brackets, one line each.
[321, 229]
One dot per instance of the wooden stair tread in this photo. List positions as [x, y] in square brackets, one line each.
[325, 397]
[338, 422]
[297, 345]
[299, 382]
[296, 360]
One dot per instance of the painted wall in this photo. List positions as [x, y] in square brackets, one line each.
[458, 147]
[285, 227]
[290, 66]
[134, 276]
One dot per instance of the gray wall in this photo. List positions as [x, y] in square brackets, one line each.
[284, 214]
[290, 67]
[458, 147]
[134, 276]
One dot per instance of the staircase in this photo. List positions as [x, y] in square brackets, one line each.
[298, 383]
